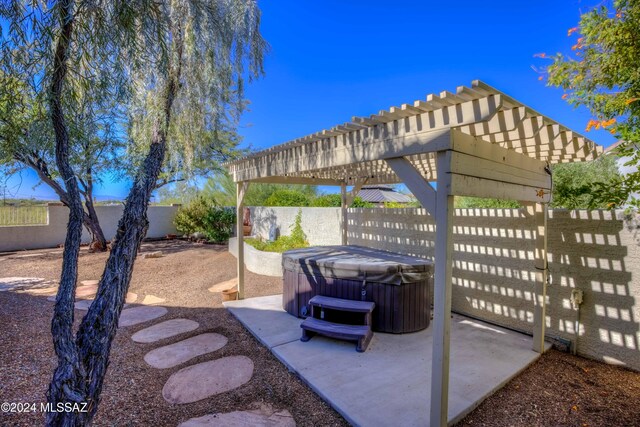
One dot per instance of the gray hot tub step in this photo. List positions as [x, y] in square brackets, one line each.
[361, 333]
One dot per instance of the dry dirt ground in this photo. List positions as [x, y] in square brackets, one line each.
[558, 390]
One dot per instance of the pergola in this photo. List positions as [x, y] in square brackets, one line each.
[477, 142]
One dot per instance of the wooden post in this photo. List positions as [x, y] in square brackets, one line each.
[442, 293]
[343, 204]
[540, 213]
[241, 189]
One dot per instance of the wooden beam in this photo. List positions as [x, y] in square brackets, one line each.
[498, 171]
[298, 180]
[477, 147]
[442, 295]
[343, 210]
[415, 182]
[351, 195]
[241, 191]
[463, 185]
[420, 133]
[539, 212]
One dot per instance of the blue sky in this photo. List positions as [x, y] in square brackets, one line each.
[331, 60]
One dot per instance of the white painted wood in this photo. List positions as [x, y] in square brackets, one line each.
[442, 295]
[503, 171]
[298, 180]
[420, 187]
[478, 147]
[463, 185]
[539, 212]
[351, 195]
[241, 190]
[344, 206]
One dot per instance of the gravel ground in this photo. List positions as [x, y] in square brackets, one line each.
[557, 390]
[132, 393]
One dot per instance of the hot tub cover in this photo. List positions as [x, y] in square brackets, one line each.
[357, 263]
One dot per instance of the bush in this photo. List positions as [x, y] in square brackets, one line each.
[335, 201]
[287, 197]
[327, 201]
[202, 216]
[297, 239]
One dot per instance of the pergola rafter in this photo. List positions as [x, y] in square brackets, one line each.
[477, 142]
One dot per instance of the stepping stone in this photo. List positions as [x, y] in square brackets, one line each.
[152, 299]
[41, 291]
[86, 291]
[223, 286]
[206, 379]
[264, 417]
[15, 283]
[164, 330]
[177, 353]
[157, 254]
[83, 305]
[89, 282]
[136, 315]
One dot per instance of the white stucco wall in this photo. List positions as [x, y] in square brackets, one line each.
[321, 225]
[53, 233]
[259, 262]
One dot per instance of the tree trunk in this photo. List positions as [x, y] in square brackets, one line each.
[99, 326]
[90, 218]
[68, 383]
[91, 223]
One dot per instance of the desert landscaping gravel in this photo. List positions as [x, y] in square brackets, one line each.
[557, 390]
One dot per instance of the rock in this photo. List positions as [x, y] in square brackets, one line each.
[83, 305]
[86, 291]
[152, 299]
[206, 379]
[177, 353]
[223, 286]
[156, 254]
[41, 291]
[16, 283]
[164, 330]
[263, 417]
[136, 315]
[198, 236]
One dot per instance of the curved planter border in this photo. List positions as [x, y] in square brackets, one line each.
[259, 262]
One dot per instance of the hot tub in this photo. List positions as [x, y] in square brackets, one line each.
[398, 284]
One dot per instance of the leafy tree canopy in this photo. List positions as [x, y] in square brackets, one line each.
[573, 183]
[601, 73]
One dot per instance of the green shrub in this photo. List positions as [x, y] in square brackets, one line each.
[335, 201]
[327, 201]
[465, 202]
[297, 239]
[359, 203]
[286, 197]
[201, 215]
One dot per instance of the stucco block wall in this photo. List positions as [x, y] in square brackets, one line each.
[493, 272]
[321, 225]
[53, 233]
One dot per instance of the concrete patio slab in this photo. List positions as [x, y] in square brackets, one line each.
[263, 317]
[389, 384]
